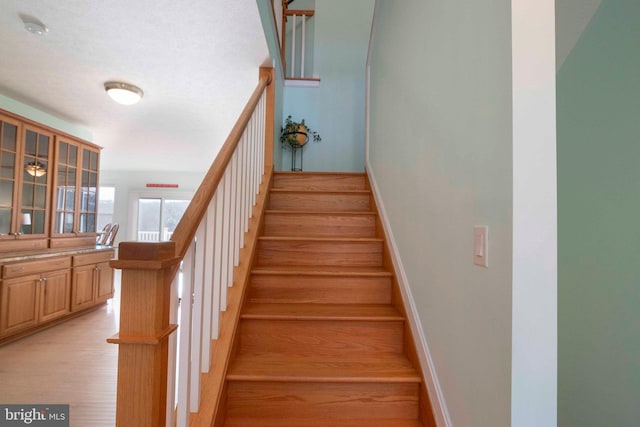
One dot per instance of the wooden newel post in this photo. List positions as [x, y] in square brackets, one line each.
[147, 272]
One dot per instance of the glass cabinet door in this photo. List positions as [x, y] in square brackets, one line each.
[35, 178]
[88, 191]
[76, 189]
[65, 188]
[9, 151]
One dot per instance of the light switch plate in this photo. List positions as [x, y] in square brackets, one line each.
[481, 245]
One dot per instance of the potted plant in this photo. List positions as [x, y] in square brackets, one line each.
[295, 134]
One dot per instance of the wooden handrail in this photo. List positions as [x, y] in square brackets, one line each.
[148, 271]
[186, 228]
[290, 12]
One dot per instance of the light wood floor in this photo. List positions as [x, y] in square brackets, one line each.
[69, 363]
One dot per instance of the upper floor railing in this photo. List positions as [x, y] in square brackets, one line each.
[183, 284]
[297, 42]
[154, 236]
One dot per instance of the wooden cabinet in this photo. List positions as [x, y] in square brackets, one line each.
[35, 183]
[54, 299]
[34, 292]
[25, 178]
[104, 282]
[48, 213]
[92, 279]
[37, 291]
[83, 287]
[76, 190]
[20, 304]
[9, 153]
[48, 187]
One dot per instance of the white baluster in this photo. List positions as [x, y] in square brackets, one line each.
[172, 365]
[197, 317]
[219, 290]
[207, 310]
[293, 47]
[263, 122]
[245, 179]
[232, 215]
[184, 352]
[303, 45]
[226, 277]
[236, 218]
[243, 185]
[254, 168]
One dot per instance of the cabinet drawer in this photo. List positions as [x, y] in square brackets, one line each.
[93, 258]
[30, 267]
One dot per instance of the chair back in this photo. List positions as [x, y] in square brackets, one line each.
[102, 236]
[112, 234]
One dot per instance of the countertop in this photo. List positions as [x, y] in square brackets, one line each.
[10, 257]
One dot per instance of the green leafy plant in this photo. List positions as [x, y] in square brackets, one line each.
[296, 134]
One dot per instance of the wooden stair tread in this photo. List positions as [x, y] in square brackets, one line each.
[317, 173]
[319, 223]
[319, 343]
[317, 191]
[327, 422]
[345, 312]
[363, 368]
[320, 180]
[320, 239]
[311, 270]
[320, 213]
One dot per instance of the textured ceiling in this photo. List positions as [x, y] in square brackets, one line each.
[197, 63]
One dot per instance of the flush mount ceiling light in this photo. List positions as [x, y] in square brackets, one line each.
[34, 26]
[123, 93]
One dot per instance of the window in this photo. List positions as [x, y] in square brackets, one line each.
[158, 217]
[106, 198]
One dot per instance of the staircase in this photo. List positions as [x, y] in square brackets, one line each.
[322, 339]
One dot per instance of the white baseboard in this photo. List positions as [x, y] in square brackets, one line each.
[439, 407]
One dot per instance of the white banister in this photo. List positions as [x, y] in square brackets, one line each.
[217, 265]
[236, 210]
[217, 297]
[208, 267]
[293, 47]
[197, 316]
[225, 233]
[172, 366]
[303, 45]
[247, 194]
[184, 339]
[208, 303]
[182, 284]
[299, 39]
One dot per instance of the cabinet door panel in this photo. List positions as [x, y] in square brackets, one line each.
[9, 158]
[55, 295]
[83, 291]
[36, 178]
[20, 299]
[65, 188]
[105, 282]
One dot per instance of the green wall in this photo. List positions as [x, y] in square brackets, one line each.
[271, 36]
[335, 109]
[39, 116]
[598, 107]
[441, 154]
